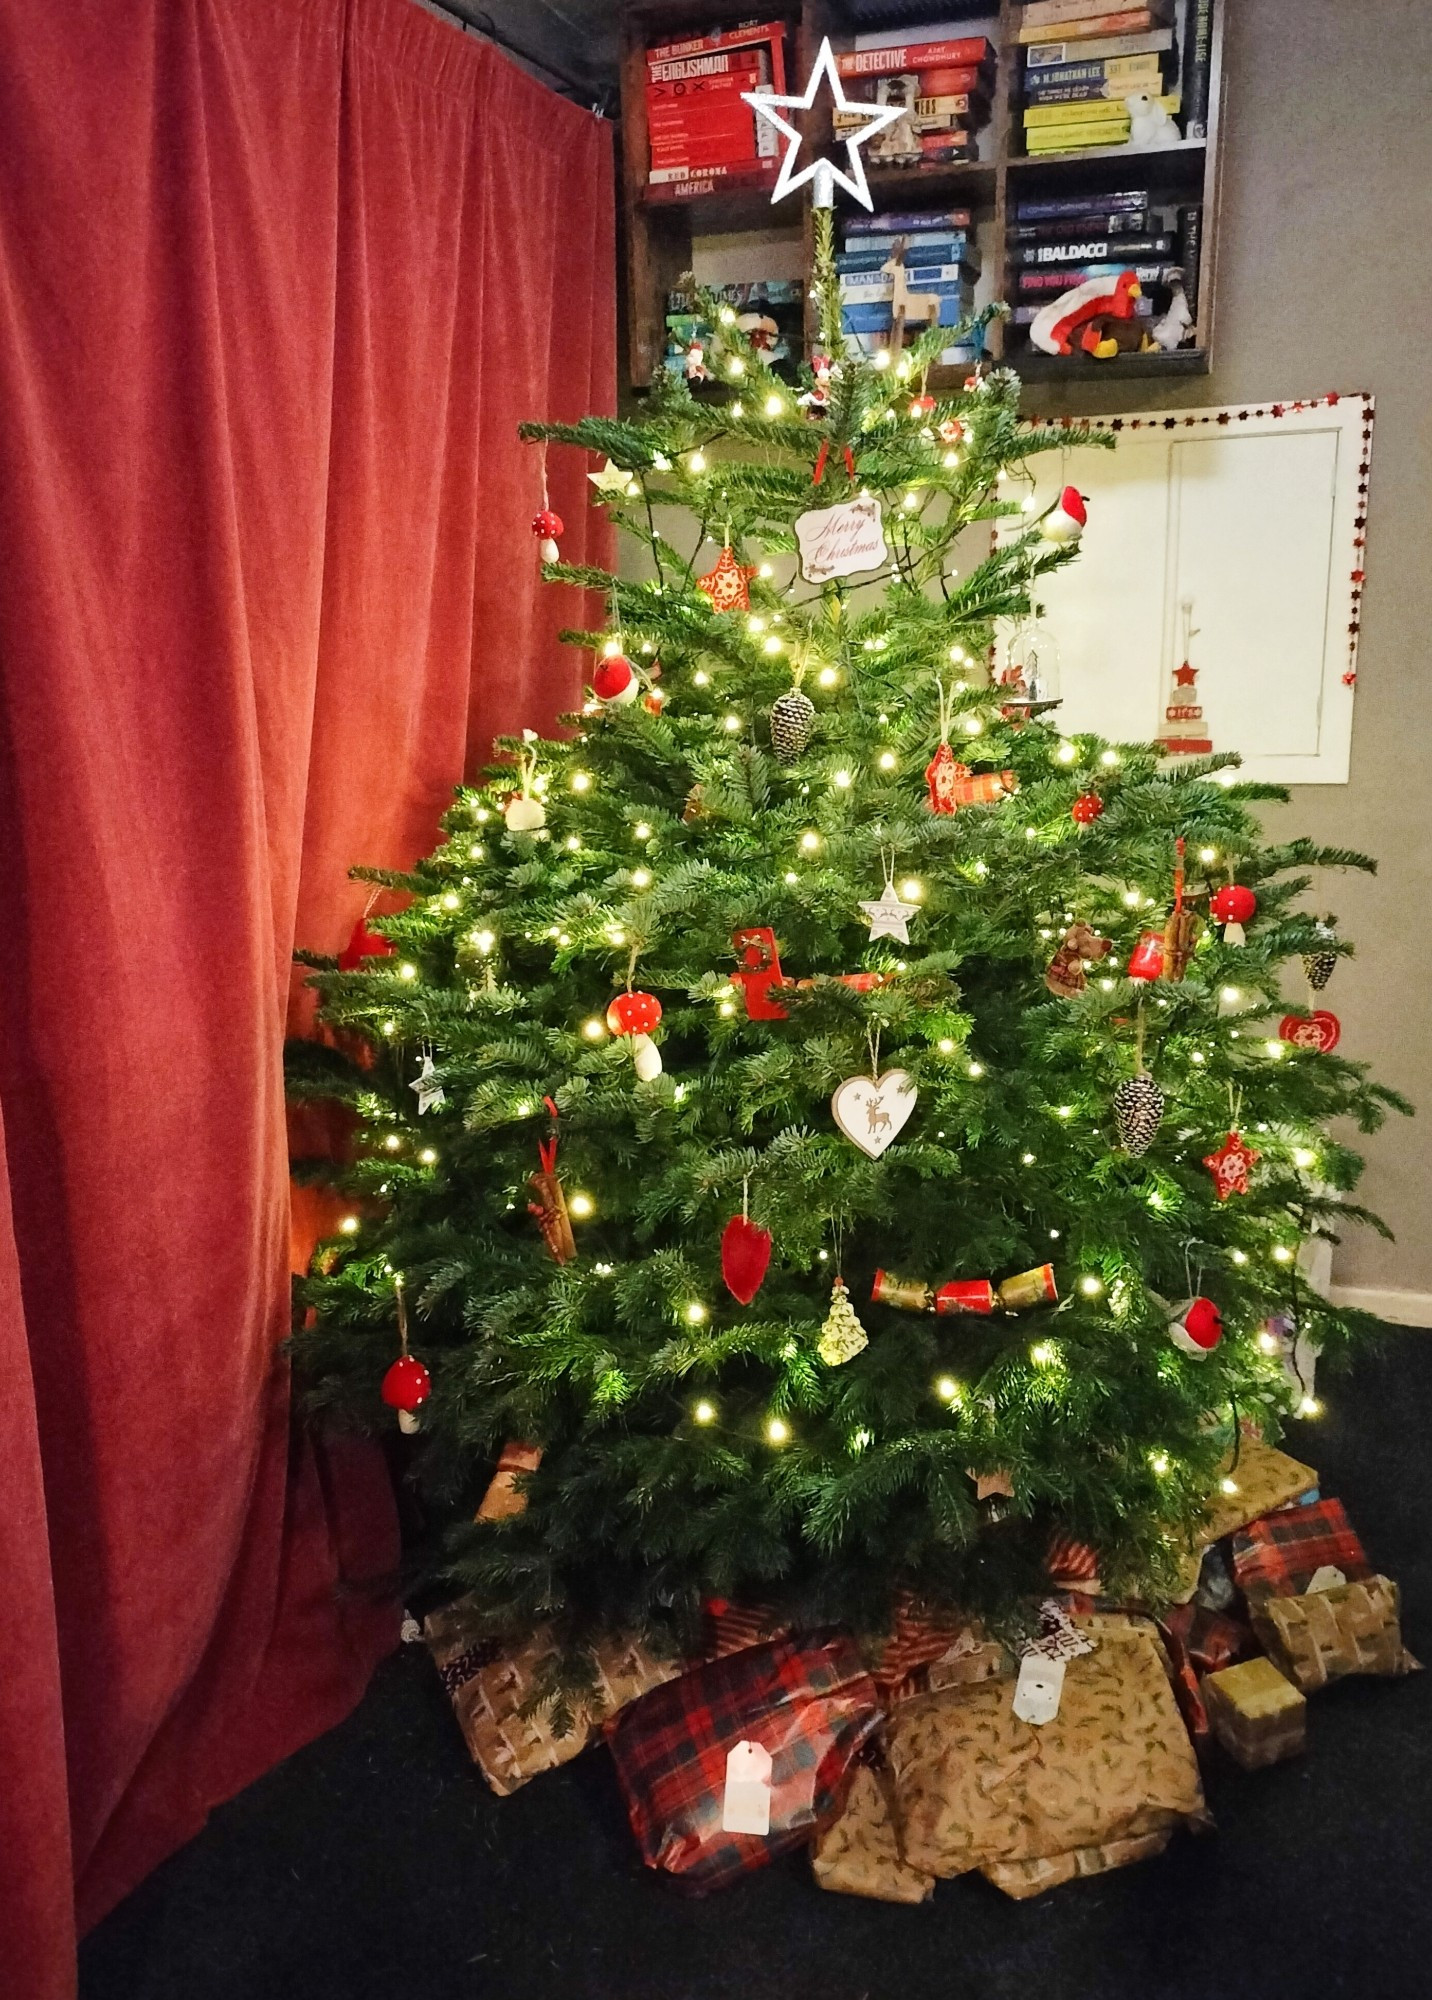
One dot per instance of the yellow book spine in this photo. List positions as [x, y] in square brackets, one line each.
[1075, 138]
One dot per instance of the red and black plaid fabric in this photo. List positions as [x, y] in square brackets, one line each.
[1072, 1565]
[731, 1628]
[810, 1704]
[919, 1636]
[1187, 1692]
[1280, 1555]
[1211, 1639]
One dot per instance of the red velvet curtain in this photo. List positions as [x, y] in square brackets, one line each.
[278, 280]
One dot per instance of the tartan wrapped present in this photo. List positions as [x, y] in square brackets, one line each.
[1262, 1478]
[976, 1787]
[859, 1853]
[1354, 1628]
[730, 1628]
[810, 1704]
[1280, 1555]
[491, 1682]
[1257, 1715]
[1200, 1641]
[930, 1647]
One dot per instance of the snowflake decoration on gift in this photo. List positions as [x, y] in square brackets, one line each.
[727, 585]
[1230, 1166]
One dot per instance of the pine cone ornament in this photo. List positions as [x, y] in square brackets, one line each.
[792, 719]
[1138, 1112]
[1320, 965]
[842, 1336]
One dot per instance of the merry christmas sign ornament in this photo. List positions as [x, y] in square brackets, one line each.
[844, 540]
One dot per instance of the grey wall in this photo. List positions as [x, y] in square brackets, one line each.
[1325, 282]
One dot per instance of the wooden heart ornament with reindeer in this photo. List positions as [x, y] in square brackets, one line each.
[873, 1111]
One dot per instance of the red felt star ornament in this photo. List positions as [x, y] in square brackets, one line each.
[727, 585]
[1185, 675]
[1230, 1166]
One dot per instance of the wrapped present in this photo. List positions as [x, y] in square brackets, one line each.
[859, 1853]
[810, 1706]
[1353, 1628]
[504, 1498]
[731, 1628]
[931, 1648]
[1258, 1716]
[1279, 1555]
[976, 1787]
[490, 1682]
[1262, 1478]
[1022, 1879]
[1211, 1639]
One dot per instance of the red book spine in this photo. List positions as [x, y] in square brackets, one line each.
[709, 149]
[685, 183]
[970, 52]
[723, 38]
[724, 62]
[698, 90]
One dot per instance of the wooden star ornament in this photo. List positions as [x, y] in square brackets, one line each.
[728, 584]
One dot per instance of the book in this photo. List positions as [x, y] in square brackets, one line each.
[1150, 83]
[1190, 249]
[732, 63]
[1055, 55]
[686, 183]
[879, 318]
[962, 106]
[863, 293]
[1077, 138]
[1129, 222]
[892, 224]
[1097, 111]
[706, 149]
[1132, 21]
[969, 53]
[1131, 70]
[1090, 250]
[1067, 16]
[719, 38]
[1197, 68]
[1051, 283]
[698, 93]
[1050, 208]
[962, 254]
[921, 249]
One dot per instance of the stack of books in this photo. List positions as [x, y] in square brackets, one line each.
[770, 311]
[704, 137]
[1059, 241]
[1082, 61]
[942, 89]
[941, 261]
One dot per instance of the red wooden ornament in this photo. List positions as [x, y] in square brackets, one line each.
[1146, 960]
[1320, 1031]
[1233, 904]
[362, 943]
[1230, 1166]
[633, 1013]
[745, 1257]
[407, 1384]
[1086, 808]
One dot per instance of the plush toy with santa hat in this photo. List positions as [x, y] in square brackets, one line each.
[1111, 297]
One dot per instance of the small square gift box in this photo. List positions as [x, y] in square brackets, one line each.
[491, 1682]
[1281, 1554]
[1348, 1628]
[1257, 1715]
[744, 1758]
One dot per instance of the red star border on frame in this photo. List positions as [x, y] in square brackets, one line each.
[1230, 1166]
[727, 584]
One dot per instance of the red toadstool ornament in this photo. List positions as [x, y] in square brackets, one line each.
[922, 405]
[1196, 1327]
[1233, 906]
[636, 1014]
[614, 682]
[1086, 808]
[406, 1387]
[546, 526]
[1066, 520]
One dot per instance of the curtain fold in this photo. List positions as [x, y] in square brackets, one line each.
[278, 280]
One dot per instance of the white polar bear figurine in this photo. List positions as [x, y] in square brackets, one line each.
[1150, 126]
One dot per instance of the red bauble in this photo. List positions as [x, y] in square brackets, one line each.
[547, 525]
[407, 1384]
[615, 679]
[1197, 1327]
[745, 1257]
[1233, 904]
[1319, 1030]
[1086, 808]
[362, 943]
[633, 1013]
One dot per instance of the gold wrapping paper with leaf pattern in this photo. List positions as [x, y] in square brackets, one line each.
[1022, 1879]
[1354, 1628]
[1266, 1478]
[859, 1854]
[976, 1787]
[490, 1683]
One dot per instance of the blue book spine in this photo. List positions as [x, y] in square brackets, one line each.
[906, 225]
[938, 250]
[1081, 204]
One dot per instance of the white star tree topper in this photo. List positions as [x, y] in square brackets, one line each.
[825, 173]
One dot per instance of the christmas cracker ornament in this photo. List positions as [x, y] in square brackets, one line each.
[842, 1336]
[952, 784]
[1138, 1112]
[1319, 1031]
[745, 1257]
[1230, 1166]
[1196, 1327]
[961, 1295]
[550, 1202]
[1028, 1289]
[873, 1111]
[1067, 975]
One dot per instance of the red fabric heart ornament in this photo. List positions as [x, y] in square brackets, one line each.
[745, 1257]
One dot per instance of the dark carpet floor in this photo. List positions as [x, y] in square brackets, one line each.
[376, 1863]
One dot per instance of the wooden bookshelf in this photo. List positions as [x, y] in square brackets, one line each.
[659, 235]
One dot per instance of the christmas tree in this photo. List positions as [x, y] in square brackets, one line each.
[798, 1106]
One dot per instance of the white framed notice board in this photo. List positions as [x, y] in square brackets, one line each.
[1247, 525]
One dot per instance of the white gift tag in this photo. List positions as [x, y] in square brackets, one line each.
[1037, 1691]
[1329, 1577]
[842, 540]
[746, 1807]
